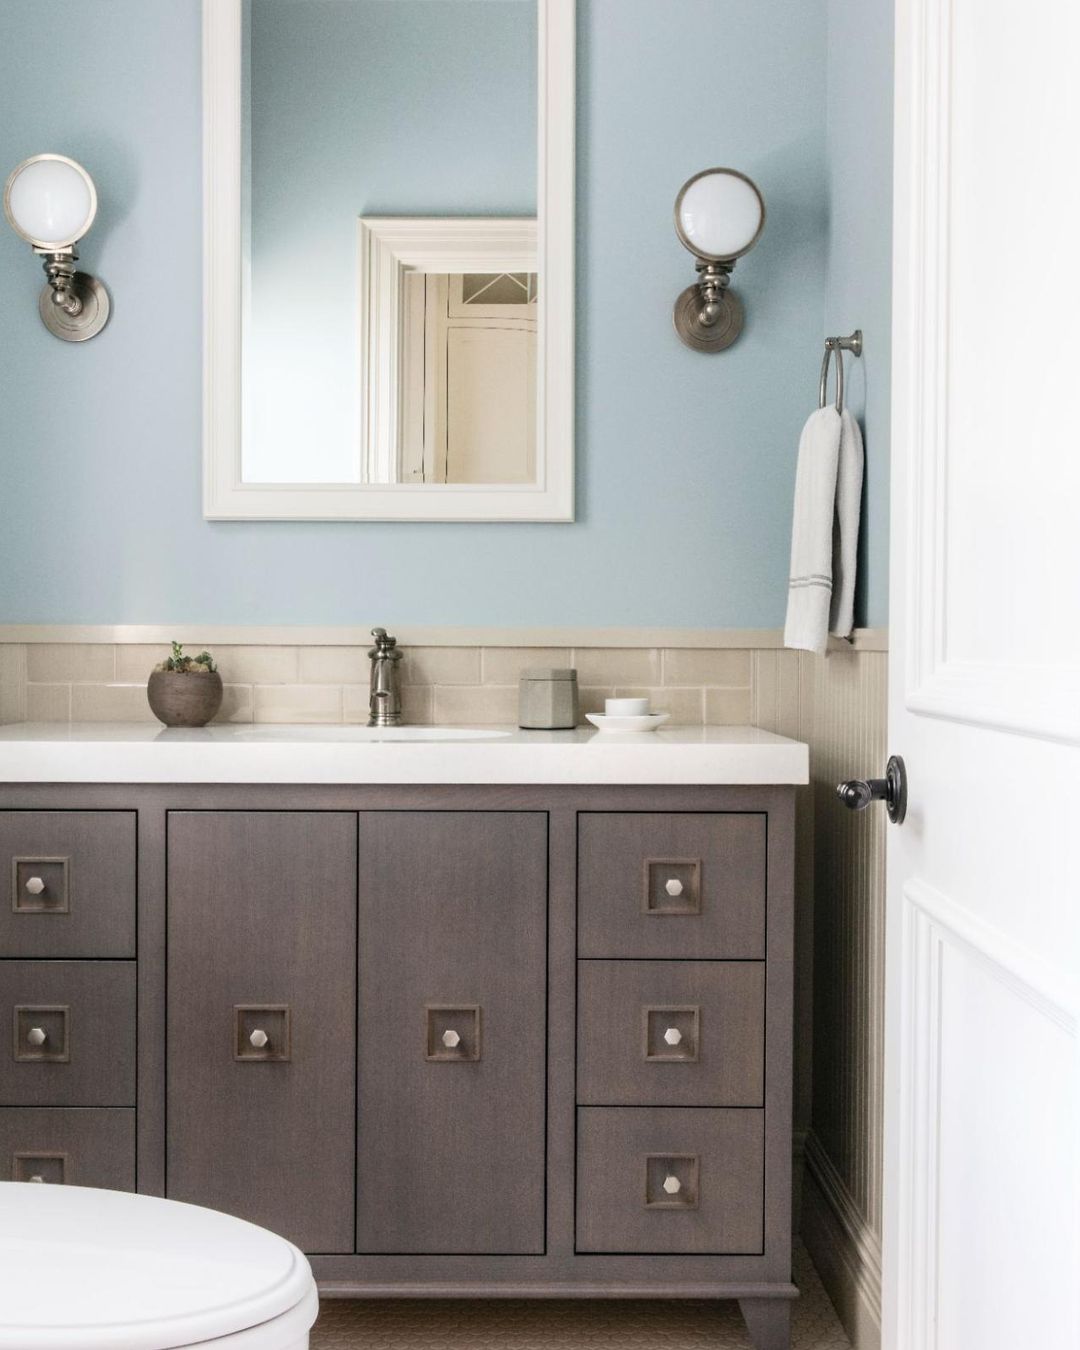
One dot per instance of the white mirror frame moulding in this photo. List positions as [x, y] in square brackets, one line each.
[225, 495]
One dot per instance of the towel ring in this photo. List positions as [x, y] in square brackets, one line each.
[839, 345]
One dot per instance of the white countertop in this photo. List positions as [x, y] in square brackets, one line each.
[52, 752]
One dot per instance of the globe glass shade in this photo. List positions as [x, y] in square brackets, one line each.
[719, 215]
[50, 201]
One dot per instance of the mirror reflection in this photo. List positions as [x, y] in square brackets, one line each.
[468, 379]
[390, 263]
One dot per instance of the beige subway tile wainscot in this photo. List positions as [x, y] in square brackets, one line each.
[617, 665]
[727, 707]
[687, 665]
[440, 665]
[110, 703]
[258, 665]
[333, 665]
[48, 702]
[465, 705]
[503, 665]
[64, 662]
[298, 703]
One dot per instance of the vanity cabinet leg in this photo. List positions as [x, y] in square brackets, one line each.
[768, 1320]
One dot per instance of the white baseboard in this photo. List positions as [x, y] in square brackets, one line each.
[843, 1247]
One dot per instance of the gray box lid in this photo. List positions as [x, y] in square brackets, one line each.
[548, 673]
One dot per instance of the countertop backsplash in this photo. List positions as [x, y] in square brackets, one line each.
[59, 681]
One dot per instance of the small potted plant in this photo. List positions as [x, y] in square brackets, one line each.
[185, 691]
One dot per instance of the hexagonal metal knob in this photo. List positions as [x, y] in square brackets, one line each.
[34, 886]
[674, 886]
[451, 1039]
[36, 1036]
[672, 1184]
[673, 1036]
[259, 1039]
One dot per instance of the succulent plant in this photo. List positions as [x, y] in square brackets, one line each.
[179, 664]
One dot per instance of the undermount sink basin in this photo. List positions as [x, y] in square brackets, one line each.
[368, 734]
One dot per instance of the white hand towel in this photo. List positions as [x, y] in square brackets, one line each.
[846, 533]
[810, 583]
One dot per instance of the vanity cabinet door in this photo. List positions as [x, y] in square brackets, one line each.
[451, 1121]
[261, 1019]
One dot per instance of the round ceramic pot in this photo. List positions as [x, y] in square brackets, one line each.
[184, 700]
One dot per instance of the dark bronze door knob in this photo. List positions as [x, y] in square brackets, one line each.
[858, 793]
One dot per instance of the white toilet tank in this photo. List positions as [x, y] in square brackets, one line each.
[83, 1269]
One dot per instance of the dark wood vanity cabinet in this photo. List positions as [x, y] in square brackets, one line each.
[498, 1041]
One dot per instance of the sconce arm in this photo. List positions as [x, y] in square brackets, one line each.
[708, 315]
[73, 305]
[59, 268]
[713, 280]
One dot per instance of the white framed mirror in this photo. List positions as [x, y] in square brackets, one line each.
[389, 265]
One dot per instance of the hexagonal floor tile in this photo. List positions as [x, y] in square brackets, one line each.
[567, 1324]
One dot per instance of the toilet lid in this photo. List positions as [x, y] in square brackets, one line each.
[82, 1269]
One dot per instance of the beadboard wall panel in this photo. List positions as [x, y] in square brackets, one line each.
[842, 1197]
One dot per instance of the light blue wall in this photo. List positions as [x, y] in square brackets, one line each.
[685, 461]
[363, 107]
[859, 282]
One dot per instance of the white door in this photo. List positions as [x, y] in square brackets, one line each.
[490, 404]
[982, 1063]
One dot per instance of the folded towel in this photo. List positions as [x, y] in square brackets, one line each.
[846, 532]
[810, 584]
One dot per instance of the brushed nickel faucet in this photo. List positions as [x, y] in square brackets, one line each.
[385, 703]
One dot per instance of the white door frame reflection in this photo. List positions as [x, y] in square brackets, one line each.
[395, 422]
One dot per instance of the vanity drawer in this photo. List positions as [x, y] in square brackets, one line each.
[671, 1033]
[68, 1146]
[70, 1028]
[67, 883]
[672, 884]
[670, 1181]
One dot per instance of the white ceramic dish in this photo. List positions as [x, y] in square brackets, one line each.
[648, 722]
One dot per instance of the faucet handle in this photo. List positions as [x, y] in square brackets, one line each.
[383, 641]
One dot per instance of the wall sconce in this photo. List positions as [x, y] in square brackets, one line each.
[719, 216]
[50, 201]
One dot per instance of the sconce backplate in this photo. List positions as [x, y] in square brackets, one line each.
[89, 321]
[707, 337]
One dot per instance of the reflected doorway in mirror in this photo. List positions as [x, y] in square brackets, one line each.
[448, 312]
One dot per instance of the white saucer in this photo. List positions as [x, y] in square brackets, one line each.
[647, 722]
